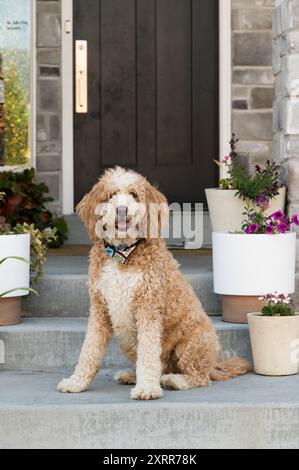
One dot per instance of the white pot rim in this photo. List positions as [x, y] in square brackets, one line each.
[259, 315]
[256, 236]
[18, 235]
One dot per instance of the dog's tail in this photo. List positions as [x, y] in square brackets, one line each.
[230, 368]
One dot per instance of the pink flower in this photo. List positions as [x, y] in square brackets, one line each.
[295, 220]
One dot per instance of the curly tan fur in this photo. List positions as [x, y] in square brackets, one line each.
[159, 322]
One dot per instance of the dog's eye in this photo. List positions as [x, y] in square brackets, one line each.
[113, 194]
[133, 194]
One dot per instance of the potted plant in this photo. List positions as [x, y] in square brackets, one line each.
[274, 334]
[259, 259]
[240, 189]
[22, 256]
[25, 201]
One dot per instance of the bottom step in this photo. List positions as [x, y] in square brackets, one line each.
[248, 412]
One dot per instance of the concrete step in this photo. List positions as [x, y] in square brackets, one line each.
[51, 344]
[250, 412]
[63, 290]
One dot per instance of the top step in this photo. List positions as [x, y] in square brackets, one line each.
[63, 290]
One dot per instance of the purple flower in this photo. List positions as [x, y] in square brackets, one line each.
[269, 229]
[279, 215]
[252, 228]
[262, 202]
[295, 220]
[282, 228]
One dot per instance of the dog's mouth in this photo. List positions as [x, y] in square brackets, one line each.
[123, 224]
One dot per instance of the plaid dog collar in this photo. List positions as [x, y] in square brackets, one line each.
[122, 252]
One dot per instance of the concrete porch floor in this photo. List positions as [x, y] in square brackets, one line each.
[248, 412]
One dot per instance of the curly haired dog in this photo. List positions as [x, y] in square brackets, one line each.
[145, 301]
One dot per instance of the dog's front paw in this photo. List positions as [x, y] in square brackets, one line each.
[146, 392]
[71, 385]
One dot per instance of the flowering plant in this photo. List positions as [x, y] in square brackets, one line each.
[257, 222]
[39, 241]
[263, 182]
[277, 305]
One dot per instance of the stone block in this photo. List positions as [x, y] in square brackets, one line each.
[253, 76]
[278, 85]
[49, 147]
[261, 98]
[253, 125]
[54, 127]
[276, 58]
[240, 104]
[255, 19]
[278, 115]
[276, 22]
[253, 3]
[52, 180]
[42, 128]
[279, 148]
[240, 92]
[293, 178]
[48, 56]
[292, 117]
[48, 24]
[256, 152]
[49, 95]
[47, 71]
[254, 49]
[290, 75]
[235, 19]
[47, 163]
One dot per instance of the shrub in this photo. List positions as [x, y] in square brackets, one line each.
[24, 202]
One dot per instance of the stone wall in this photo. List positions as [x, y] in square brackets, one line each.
[253, 78]
[48, 160]
[286, 105]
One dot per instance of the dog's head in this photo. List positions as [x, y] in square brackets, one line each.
[123, 207]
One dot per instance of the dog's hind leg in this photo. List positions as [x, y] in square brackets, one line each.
[196, 359]
[126, 377]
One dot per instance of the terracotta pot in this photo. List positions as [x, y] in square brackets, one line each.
[235, 308]
[226, 209]
[10, 310]
[275, 344]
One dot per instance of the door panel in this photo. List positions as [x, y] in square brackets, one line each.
[153, 93]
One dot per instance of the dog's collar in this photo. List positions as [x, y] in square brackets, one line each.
[122, 252]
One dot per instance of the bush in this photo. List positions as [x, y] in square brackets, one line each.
[24, 202]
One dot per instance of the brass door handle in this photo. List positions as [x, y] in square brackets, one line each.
[81, 77]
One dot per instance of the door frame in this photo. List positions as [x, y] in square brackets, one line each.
[225, 93]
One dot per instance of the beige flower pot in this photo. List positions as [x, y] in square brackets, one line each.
[226, 209]
[275, 344]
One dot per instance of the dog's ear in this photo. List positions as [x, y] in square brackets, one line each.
[157, 209]
[86, 208]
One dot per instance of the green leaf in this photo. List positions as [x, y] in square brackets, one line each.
[19, 258]
[26, 289]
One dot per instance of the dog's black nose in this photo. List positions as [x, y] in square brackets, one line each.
[122, 211]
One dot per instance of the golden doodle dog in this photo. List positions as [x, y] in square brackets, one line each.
[138, 293]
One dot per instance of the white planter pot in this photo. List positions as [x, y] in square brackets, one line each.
[14, 273]
[253, 265]
[226, 210]
[274, 342]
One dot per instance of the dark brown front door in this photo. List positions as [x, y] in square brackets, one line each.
[153, 93]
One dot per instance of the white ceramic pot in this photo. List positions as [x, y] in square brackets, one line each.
[275, 344]
[226, 209]
[253, 265]
[14, 273]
